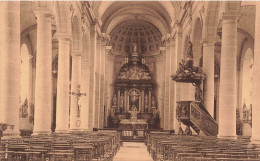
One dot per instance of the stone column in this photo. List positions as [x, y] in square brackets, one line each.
[125, 100]
[172, 85]
[85, 76]
[63, 85]
[227, 90]
[43, 82]
[97, 83]
[102, 82]
[167, 87]
[149, 99]
[178, 52]
[75, 119]
[118, 99]
[208, 68]
[256, 80]
[10, 66]
[142, 104]
[93, 44]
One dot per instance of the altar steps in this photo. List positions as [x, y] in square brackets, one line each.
[134, 140]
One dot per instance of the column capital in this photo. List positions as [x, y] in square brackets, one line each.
[208, 40]
[63, 36]
[231, 15]
[76, 54]
[42, 12]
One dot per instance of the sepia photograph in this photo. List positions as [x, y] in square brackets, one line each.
[130, 80]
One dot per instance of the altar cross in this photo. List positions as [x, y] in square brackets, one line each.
[78, 95]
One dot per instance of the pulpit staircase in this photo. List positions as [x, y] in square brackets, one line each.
[195, 115]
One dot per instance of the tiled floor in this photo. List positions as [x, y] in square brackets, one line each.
[133, 151]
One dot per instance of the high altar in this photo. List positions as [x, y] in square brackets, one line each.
[134, 104]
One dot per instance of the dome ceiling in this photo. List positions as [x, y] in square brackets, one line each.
[145, 35]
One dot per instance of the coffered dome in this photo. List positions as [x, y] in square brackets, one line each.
[145, 35]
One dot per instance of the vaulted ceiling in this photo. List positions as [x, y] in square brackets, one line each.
[160, 14]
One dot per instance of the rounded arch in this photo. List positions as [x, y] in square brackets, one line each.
[122, 11]
[197, 46]
[62, 17]
[211, 19]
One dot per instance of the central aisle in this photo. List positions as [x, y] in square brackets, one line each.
[133, 151]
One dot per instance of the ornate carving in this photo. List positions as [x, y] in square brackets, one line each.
[182, 110]
[187, 72]
[24, 109]
[195, 112]
[134, 73]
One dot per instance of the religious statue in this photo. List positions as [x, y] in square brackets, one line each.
[112, 112]
[135, 48]
[114, 100]
[155, 113]
[245, 112]
[24, 109]
[143, 61]
[133, 113]
[187, 131]
[78, 95]
[126, 60]
[146, 102]
[180, 132]
[153, 102]
[250, 113]
[189, 51]
[134, 96]
[121, 105]
[198, 93]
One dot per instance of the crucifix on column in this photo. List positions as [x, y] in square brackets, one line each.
[78, 95]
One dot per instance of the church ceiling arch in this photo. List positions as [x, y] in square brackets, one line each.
[152, 11]
[168, 6]
[144, 34]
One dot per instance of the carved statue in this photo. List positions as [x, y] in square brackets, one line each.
[134, 96]
[153, 102]
[114, 100]
[189, 51]
[121, 105]
[187, 131]
[198, 93]
[135, 48]
[250, 113]
[24, 109]
[133, 113]
[146, 101]
[245, 112]
[180, 132]
[155, 113]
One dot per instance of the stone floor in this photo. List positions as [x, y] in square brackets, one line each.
[133, 151]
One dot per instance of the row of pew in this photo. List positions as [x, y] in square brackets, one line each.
[163, 146]
[83, 146]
